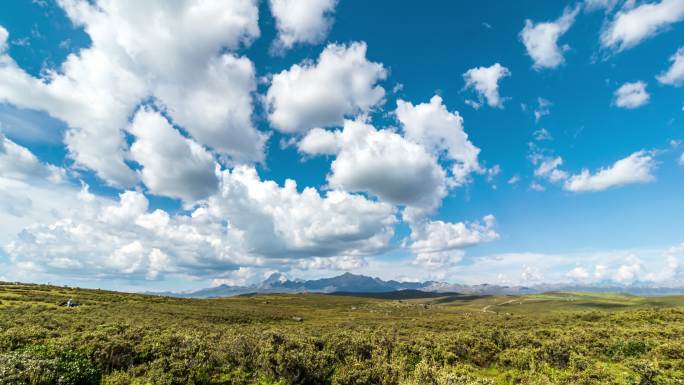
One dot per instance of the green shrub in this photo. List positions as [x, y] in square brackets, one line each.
[670, 350]
[522, 359]
[40, 365]
[627, 348]
[556, 352]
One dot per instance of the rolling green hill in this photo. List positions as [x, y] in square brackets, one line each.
[551, 338]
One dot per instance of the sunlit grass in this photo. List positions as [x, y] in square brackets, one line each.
[560, 337]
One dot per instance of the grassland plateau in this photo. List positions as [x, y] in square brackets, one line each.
[552, 338]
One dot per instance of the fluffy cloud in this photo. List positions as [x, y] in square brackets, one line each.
[172, 165]
[384, 164]
[578, 273]
[319, 142]
[17, 162]
[400, 169]
[628, 273]
[301, 21]
[439, 260]
[585, 267]
[249, 223]
[636, 168]
[274, 221]
[671, 269]
[340, 84]
[541, 39]
[439, 243]
[485, 81]
[240, 277]
[675, 75]
[93, 96]
[681, 159]
[621, 267]
[441, 132]
[121, 240]
[631, 95]
[214, 104]
[549, 168]
[177, 60]
[600, 271]
[32, 191]
[531, 275]
[631, 26]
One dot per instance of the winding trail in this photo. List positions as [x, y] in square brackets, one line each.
[486, 308]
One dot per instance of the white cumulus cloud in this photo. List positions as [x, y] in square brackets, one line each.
[214, 104]
[120, 239]
[301, 21]
[531, 274]
[438, 243]
[402, 168]
[630, 26]
[631, 95]
[628, 272]
[549, 168]
[578, 273]
[485, 82]
[19, 163]
[671, 269]
[674, 76]
[33, 191]
[274, 221]
[541, 39]
[342, 83]
[384, 164]
[442, 133]
[248, 223]
[636, 168]
[319, 141]
[172, 165]
[182, 61]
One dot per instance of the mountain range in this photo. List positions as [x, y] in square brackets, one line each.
[349, 283]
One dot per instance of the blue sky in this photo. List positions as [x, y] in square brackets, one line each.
[571, 169]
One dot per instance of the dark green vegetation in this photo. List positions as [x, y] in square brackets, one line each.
[555, 338]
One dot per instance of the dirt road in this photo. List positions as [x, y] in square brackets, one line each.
[486, 308]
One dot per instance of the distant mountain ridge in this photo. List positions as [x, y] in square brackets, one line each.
[349, 283]
[278, 283]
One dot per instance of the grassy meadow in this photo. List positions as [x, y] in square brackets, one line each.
[553, 338]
